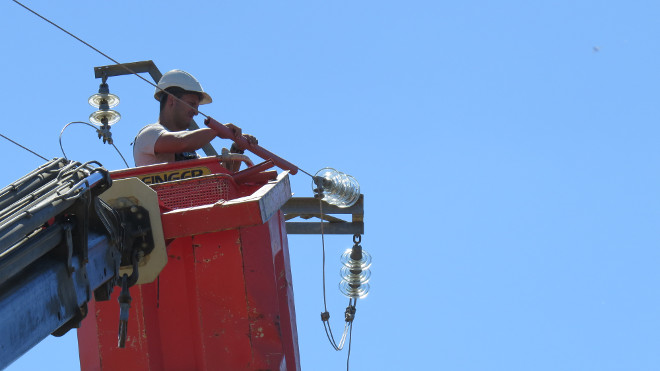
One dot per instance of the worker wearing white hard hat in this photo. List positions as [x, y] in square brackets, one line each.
[184, 80]
[168, 140]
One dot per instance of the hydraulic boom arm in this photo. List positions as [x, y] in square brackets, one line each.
[59, 243]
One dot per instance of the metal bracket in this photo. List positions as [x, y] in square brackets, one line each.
[308, 208]
[69, 247]
[122, 69]
[137, 206]
[72, 248]
[76, 244]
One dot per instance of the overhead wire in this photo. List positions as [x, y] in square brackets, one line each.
[83, 41]
[122, 156]
[326, 324]
[325, 316]
[348, 328]
[128, 69]
[350, 340]
[93, 127]
[25, 148]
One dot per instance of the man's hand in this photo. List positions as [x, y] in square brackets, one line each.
[236, 147]
[235, 129]
[251, 139]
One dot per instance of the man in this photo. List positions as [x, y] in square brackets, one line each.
[168, 139]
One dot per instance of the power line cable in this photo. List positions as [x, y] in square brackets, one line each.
[84, 42]
[350, 340]
[122, 156]
[348, 326]
[325, 316]
[25, 148]
[119, 64]
[93, 127]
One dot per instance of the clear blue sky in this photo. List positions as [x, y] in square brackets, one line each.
[507, 152]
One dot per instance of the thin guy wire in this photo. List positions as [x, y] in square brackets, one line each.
[121, 65]
[25, 148]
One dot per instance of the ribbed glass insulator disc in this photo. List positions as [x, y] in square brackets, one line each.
[354, 292]
[339, 189]
[355, 278]
[95, 100]
[97, 117]
[352, 192]
[349, 263]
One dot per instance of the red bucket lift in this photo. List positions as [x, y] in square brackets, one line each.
[224, 300]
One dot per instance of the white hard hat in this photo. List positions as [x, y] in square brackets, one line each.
[185, 81]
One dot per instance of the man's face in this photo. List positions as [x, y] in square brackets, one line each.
[182, 113]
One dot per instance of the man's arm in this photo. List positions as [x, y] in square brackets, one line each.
[192, 140]
[183, 141]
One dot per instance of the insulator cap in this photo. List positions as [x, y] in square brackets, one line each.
[104, 88]
[356, 252]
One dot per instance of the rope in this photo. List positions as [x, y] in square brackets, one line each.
[25, 148]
